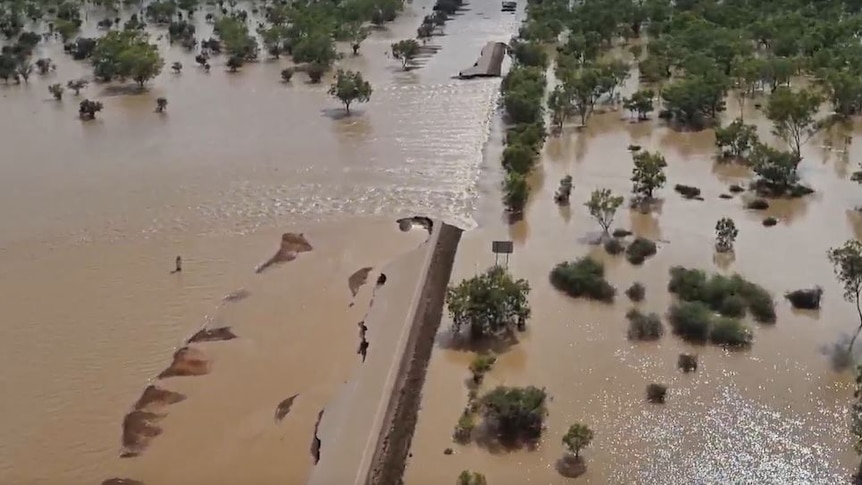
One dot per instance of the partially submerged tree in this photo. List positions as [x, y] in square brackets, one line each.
[578, 437]
[515, 413]
[76, 85]
[88, 109]
[777, 170]
[847, 264]
[603, 205]
[56, 90]
[647, 173]
[126, 54]
[736, 140]
[489, 304]
[725, 234]
[161, 105]
[792, 114]
[349, 87]
[405, 51]
[640, 103]
[565, 191]
[516, 190]
[177, 67]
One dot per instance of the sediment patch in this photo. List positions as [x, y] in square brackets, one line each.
[188, 361]
[155, 397]
[284, 407]
[358, 279]
[393, 447]
[291, 245]
[212, 335]
[139, 428]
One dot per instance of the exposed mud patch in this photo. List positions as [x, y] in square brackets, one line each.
[358, 279]
[213, 335]
[139, 428]
[155, 397]
[284, 407]
[187, 361]
[121, 481]
[315, 440]
[291, 245]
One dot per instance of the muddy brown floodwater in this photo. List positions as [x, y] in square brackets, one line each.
[93, 215]
[775, 414]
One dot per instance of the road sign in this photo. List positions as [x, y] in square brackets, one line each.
[502, 247]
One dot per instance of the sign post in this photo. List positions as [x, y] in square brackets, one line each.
[502, 247]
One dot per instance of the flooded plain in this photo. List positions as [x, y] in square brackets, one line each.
[774, 414]
[93, 215]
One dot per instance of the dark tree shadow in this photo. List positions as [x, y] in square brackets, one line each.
[463, 343]
[487, 437]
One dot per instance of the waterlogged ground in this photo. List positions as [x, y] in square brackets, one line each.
[776, 414]
[93, 215]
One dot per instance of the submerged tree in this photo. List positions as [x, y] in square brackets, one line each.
[405, 51]
[725, 235]
[648, 173]
[76, 85]
[792, 115]
[489, 304]
[578, 437]
[640, 103]
[515, 413]
[56, 90]
[161, 105]
[471, 478]
[88, 109]
[736, 140]
[847, 264]
[349, 87]
[603, 205]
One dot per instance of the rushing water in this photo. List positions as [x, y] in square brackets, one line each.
[94, 213]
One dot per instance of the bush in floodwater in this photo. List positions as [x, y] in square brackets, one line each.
[687, 362]
[481, 364]
[518, 158]
[722, 294]
[639, 250]
[730, 332]
[636, 292]
[644, 326]
[690, 320]
[464, 429]
[687, 191]
[614, 246]
[656, 393]
[471, 478]
[527, 134]
[806, 299]
[515, 413]
[758, 205]
[583, 278]
[621, 233]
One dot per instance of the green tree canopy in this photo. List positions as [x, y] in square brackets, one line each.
[489, 304]
[349, 87]
[126, 54]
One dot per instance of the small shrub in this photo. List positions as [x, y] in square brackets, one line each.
[687, 191]
[757, 204]
[735, 189]
[644, 327]
[725, 196]
[480, 365]
[287, 74]
[583, 278]
[770, 221]
[692, 285]
[621, 233]
[806, 299]
[687, 362]
[730, 332]
[687, 284]
[636, 292]
[656, 393]
[563, 193]
[760, 303]
[464, 429]
[471, 478]
[690, 320]
[639, 250]
[614, 246]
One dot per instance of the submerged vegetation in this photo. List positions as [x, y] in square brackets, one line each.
[729, 296]
[583, 278]
[489, 304]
